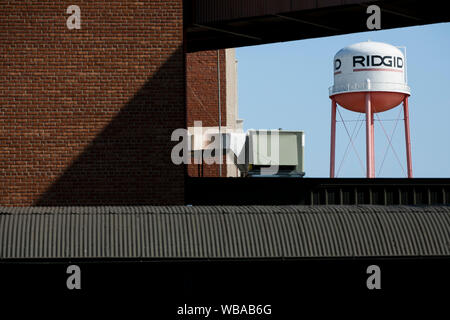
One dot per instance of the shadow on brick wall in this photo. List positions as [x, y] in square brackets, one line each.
[129, 162]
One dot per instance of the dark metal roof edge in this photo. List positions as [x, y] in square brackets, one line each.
[207, 209]
[238, 259]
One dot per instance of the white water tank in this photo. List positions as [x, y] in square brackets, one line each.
[375, 67]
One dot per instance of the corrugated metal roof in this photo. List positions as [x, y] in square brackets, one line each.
[224, 232]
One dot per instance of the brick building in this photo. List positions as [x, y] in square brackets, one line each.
[203, 70]
[86, 114]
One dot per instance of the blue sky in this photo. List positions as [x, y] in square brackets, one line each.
[285, 85]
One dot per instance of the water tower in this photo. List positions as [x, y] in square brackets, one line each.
[369, 77]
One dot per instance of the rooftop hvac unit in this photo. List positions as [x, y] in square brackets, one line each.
[274, 153]
[257, 153]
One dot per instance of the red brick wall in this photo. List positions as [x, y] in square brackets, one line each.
[86, 115]
[202, 99]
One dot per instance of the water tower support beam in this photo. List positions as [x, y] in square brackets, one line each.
[372, 129]
[333, 137]
[407, 137]
[369, 138]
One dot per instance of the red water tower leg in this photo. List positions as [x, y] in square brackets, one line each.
[333, 137]
[369, 138]
[372, 129]
[407, 137]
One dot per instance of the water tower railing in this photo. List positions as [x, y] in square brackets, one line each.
[372, 86]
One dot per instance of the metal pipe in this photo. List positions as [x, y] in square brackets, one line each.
[333, 138]
[407, 137]
[220, 114]
[405, 74]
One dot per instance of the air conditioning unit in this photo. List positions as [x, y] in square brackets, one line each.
[256, 153]
[274, 153]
